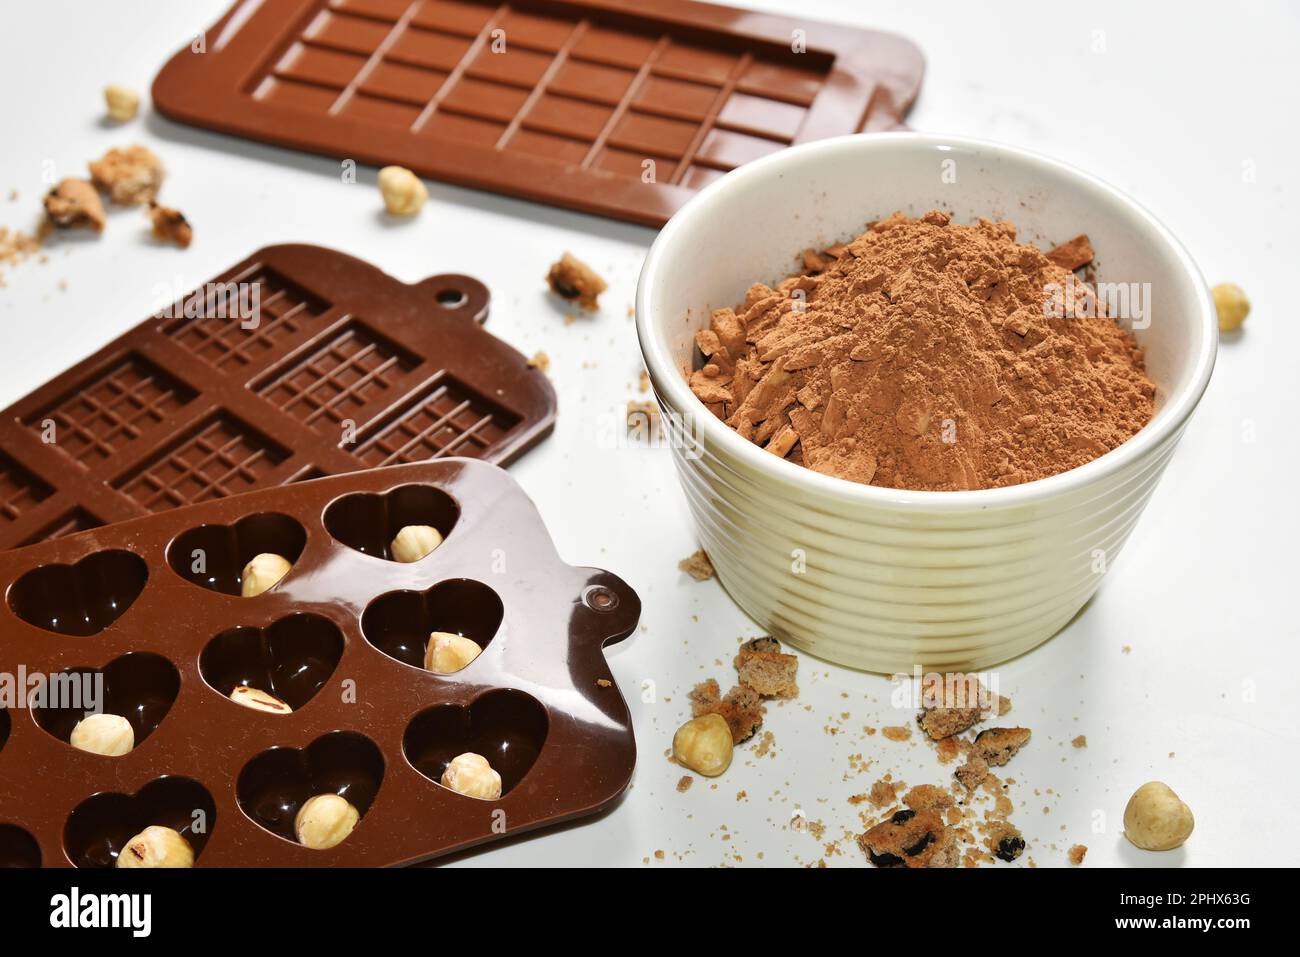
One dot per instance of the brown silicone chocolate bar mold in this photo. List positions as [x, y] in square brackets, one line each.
[616, 107]
[298, 362]
[340, 640]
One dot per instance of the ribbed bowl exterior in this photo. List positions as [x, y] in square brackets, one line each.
[883, 588]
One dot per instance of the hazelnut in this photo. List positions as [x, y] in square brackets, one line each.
[1156, 819]
[704, 745]
[122, 103]
[156, 846]
[325, 821]
[471, 775]
[259, 700]
[402, 190]
[1231, 304]
[262, 573]
[447, 653]
[413, 542]
[109, 734]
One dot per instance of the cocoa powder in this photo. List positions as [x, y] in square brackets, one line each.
[926, 355]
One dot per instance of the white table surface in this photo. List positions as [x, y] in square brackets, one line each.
[1192, 113]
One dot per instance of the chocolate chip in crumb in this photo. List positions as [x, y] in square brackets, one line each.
[1009, 848]
[902, 816]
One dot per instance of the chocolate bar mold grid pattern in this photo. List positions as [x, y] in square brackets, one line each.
[570, 89]
[345, 615]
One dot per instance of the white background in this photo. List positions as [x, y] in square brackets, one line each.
[1176, 106]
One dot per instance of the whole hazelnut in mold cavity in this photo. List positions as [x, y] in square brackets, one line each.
[107, 734]
[156, 846]
[259, 700]
[325, 821]
[447, 653]
[262, 573]
[413, 542]
[471, 774]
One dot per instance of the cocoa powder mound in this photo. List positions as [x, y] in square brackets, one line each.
[927, 355]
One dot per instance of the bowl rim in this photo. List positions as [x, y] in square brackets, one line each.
[672, 386]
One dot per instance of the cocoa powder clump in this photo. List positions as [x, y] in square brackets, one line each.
[927, 355]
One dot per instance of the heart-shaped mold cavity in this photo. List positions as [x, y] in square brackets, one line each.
[214, 556]
[139, 686]
[506, 726]
[291, 658]
[18, 848]
[100, 826]
[399, 623]
[368, 522]
[81, 599]
[275, 784]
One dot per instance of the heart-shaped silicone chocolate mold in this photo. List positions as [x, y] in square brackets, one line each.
[139, 686]
[369, 522]
[81, 599]
[214, 556]
[291, 659]
[506, 726]
[18, 848]
[275, 784]
[399, 623]
[101, 826]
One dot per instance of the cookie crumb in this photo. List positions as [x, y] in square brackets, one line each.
[131, 176]
[684, 783]
[74, 204]
[572, 279]
[897, 733]
[1005, 841]
[603, 682]
[697, 566]
[1080, 742]
[170, 225]
[1077, 853]
[952, 703]
[911, 839]
[997, 746]
[770, 673]
[540, 360]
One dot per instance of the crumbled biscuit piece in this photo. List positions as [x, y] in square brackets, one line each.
[1073, 254]
[771, 674]
[1005, 840]
[997, 746]
[928, 797]
[883, 793]
[603, 682]
[131, 176]
[684, 783]
[1081, 741]
[540, 360]
[75, 204]
[911, 839]
[574, 280]
[697, 566]
[1077, 853]
[957, 701]
[640, 412]
[973, 772]
[170, 225]
[765, 644]
[897, 732]
[742, 708]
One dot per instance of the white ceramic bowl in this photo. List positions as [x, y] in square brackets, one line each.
[877, 578]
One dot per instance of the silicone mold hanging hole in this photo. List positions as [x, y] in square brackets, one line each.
[399, 623]
[368, 522]
[292, 658]
[139, 686]
[80, 599]
[214, 556]
[102, 825]
[275, 784]
[506, 726]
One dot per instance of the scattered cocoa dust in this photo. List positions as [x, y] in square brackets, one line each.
[921, 355]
